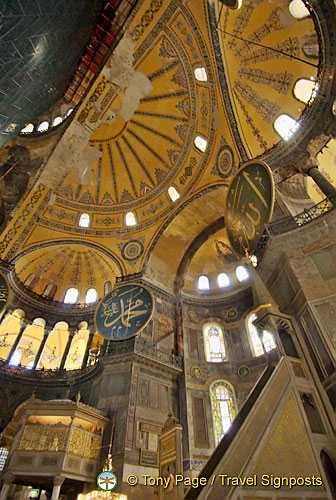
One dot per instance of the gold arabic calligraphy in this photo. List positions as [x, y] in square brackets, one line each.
[245, 219]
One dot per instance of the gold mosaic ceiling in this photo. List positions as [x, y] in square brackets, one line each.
[142, 116]
[70, 265]
[261, 46]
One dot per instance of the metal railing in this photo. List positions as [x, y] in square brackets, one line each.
[292, 222]
[145, 348]
[308, 215]
[37, 373]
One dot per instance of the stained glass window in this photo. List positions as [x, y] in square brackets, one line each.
[268, 339]
[223, 407]
[214, 343]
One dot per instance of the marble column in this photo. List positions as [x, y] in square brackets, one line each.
[19, 336]
[4, 491]
[58, 481]
[66, 350]
[39, 352]
[7, 481]
[87, 350]
[326, 187]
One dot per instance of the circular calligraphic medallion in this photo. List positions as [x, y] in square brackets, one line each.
[243, 371]
[132, 250]
[249, 206]
[196, 372]
[4, 291]
[124, 312]
[225, 162]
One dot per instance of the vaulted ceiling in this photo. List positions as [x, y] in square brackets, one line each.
[41, 42]
[133, 137]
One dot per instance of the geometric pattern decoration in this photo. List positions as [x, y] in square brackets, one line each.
[224, 166]
[223, 407]
[255, 47]
[142, 155]
[287, 451]
[72, 265]
[40, 45]
[132, 250]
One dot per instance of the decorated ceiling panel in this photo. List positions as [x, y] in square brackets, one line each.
[56, 268]
[262, 55]
[134, 136]
[211, 259]
[41, 43]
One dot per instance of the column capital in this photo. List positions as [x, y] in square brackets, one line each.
[307, 163]
[8, 478]
[58, 480]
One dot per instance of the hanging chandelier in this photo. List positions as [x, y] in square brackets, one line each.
[3, 342]
[27, 350]
[52, 357]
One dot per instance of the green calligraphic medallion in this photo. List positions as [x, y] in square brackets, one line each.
[124, 312]
[249, 206]
[4, 291]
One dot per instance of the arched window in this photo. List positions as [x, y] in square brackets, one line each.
[84, 220]
[223, 280]
[16, 358]
[50, 290]
[57, 121]
[268, 339]
[43, 126]
[285, 126]
[311, 49]
[107, 287]
[203, 283]
[223, 407]
[173, 194]
[130, 219]
[214, 343]
[201, 74]
[200, 143]
[91, 296]
[305, 89]
[242, 273]
[298, 9]
[71, 296]
[28, 129]
[31, 280]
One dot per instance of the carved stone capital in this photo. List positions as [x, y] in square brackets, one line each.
[58, 480]
[8, 478]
